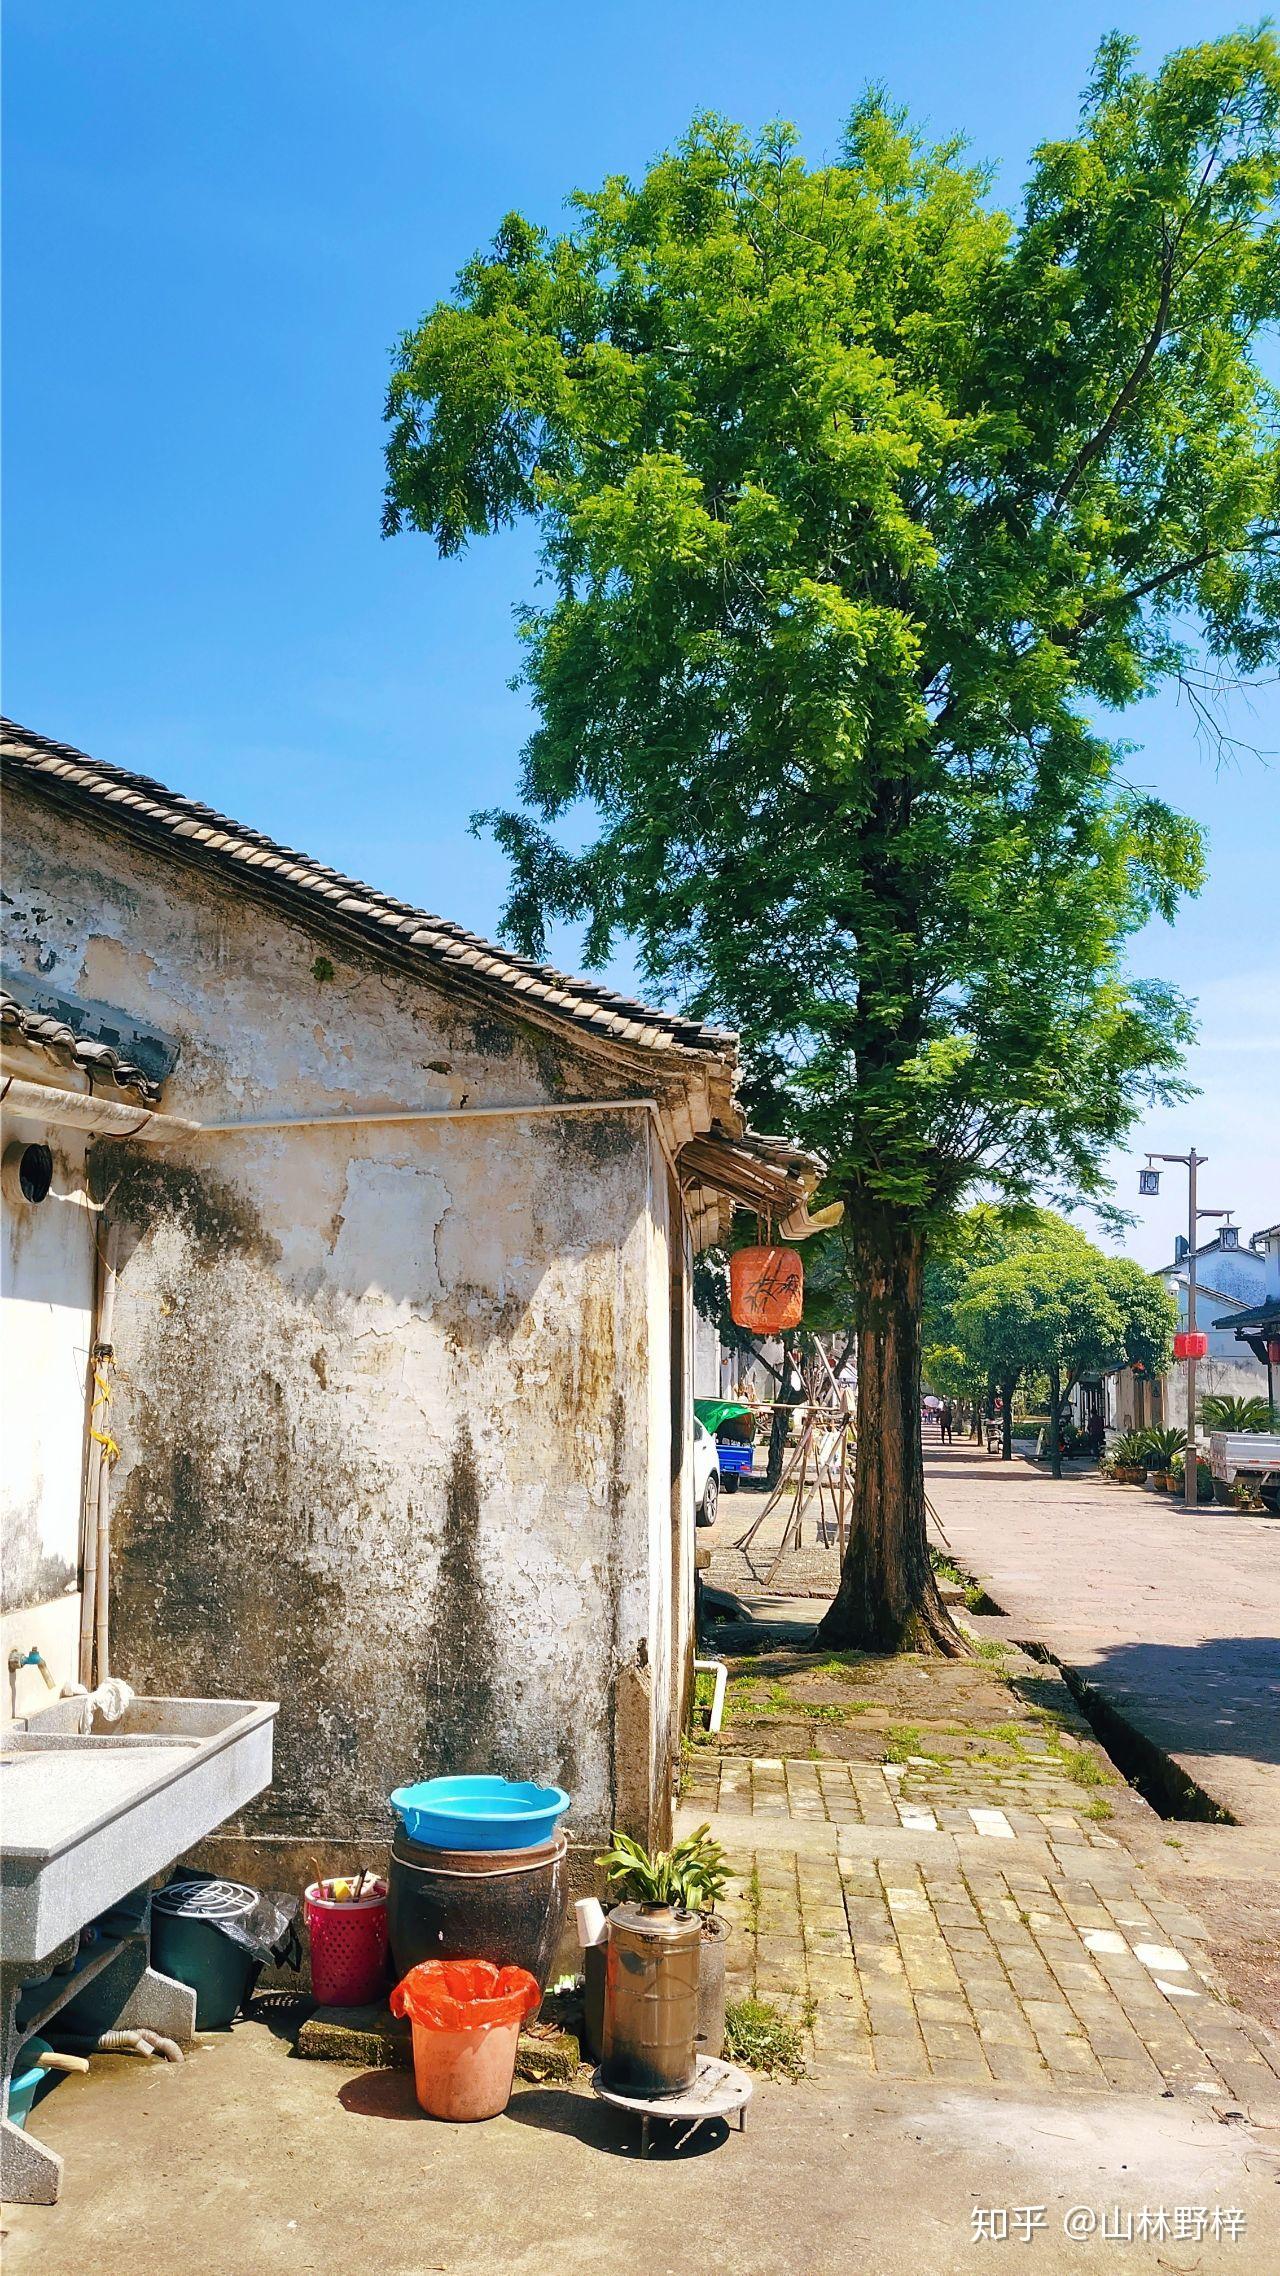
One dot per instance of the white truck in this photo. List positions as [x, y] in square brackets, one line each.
[1251, 1454]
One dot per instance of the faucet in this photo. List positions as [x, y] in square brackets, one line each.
[33, 1658]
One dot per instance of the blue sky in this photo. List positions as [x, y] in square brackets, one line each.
[217, 221]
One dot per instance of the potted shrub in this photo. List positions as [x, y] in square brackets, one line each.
[1162, 1450]
[684, 1881]
[1220, 1412]
[1128, 1458]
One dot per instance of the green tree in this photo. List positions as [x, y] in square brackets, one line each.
[980, 1236]
[1148, 1315]
[860, 501]
[1042, 1313]
[1063, 1310]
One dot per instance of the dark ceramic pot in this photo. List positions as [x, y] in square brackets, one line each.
[504, 1905]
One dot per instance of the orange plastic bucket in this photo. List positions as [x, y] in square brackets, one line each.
[466, 2017]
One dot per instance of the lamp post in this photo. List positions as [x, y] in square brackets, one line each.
[1149, 1182]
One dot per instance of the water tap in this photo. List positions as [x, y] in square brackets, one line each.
[32, 1659]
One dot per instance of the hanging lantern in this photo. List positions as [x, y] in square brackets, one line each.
[1273, 1350]
[1191, 1344]
[766, 1290]
[1148, 1181]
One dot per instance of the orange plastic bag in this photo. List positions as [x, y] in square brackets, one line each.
[464, 1995]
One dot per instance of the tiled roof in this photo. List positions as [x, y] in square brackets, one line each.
[97, 1060]
[1263, 1315]
[269, 871]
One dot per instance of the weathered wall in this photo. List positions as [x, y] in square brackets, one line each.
[1237, 1376]
[385, 1396]
[46, 1297]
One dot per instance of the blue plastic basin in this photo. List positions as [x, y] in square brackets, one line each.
[479, 1813]
[26, 2084]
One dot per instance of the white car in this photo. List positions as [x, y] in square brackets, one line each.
[706, 1473]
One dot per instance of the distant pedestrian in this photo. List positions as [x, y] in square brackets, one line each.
[945, 1421]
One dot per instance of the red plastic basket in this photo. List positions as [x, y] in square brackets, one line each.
[348, 1947]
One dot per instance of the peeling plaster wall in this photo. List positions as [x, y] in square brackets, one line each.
[393, 1451]
[46, 1301]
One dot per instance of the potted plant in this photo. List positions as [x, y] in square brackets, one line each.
[1218, 1411]
[1127, 1458]
[683, 1882]
[1162, 1450]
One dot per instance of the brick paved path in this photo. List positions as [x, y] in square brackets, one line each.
[990, 1955]
[951, 1882]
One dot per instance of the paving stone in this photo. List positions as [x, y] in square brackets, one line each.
[942, 1933]
[1162, 1957]
[992, 1823]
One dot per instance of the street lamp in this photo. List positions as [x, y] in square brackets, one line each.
[1193, 1344]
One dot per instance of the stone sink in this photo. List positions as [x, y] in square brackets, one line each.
[87, 1818]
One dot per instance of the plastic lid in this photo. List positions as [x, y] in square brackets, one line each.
[199, 1899]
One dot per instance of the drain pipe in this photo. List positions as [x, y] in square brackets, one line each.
[104, 1357]
[375, 1115]
[719, 1669]
[95, 1608]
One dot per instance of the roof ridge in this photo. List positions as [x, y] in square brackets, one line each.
[585, 1002]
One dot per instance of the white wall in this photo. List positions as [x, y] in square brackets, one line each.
[391, 1400]
[46, 1300]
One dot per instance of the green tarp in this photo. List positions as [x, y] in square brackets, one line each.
[712, 1412]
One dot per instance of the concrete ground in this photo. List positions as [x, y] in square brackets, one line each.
[246, 2162]
[1025, 2026]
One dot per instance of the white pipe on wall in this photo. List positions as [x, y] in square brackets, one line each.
[426, 1114]
[84, 1110]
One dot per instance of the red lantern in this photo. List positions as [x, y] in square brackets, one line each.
[1273, 1350]
[1191, 1344]
[766, 1290]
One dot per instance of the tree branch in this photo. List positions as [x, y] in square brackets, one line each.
[1170, 576]
[1098, 441]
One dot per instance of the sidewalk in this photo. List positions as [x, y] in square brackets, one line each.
[968, 1896]
[1173, 1614]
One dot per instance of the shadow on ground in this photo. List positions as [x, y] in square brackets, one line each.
[554, 2110]
[1219, 1695]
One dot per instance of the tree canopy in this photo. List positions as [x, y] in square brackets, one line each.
[860, 502]
[1057, 1308]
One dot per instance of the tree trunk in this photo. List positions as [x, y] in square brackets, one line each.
[888, 1600]
[1055, 1421]
[1006, 1418]
[779, 1425]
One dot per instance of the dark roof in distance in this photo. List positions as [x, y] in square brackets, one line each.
[1262, 1316]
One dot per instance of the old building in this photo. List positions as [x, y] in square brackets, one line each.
[397, 1233]
[1232, 1277]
